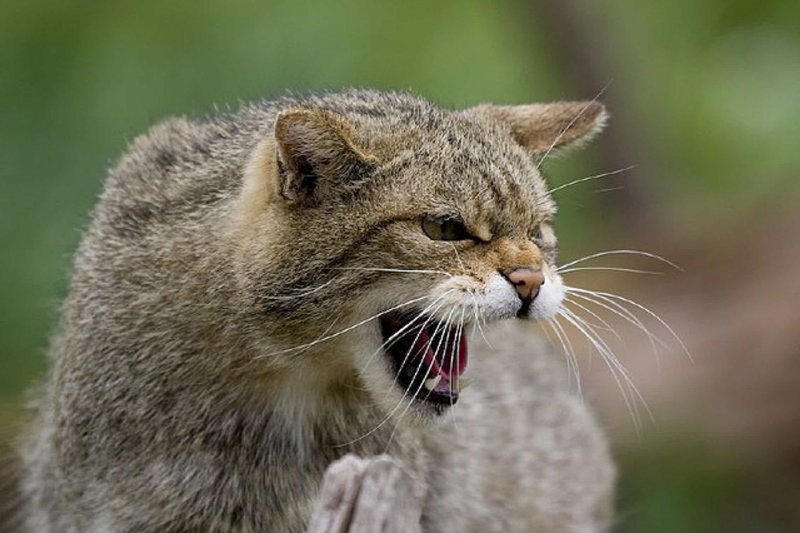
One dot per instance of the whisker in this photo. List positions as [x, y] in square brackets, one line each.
[619, 252]
[342, 332]
[444, 329]
[586, 320]
[613, 371]
[301, 292]
[569, 314]
[408, 354]
[398, 270]
[397, 406]
[303, 349]
[569, 354]
[652, 314]
[622, 312]
[589, 178]
[615, 269]
[458, 258]
[570, 124]
[569, 345]
[400, 402]
[478, 319]
[441, 329]
[608, 189]
[613, 363]
[455, 358]
[600, 319]
[618, 364]
[396, 335]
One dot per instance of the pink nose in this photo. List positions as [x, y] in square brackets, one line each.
[527, 281]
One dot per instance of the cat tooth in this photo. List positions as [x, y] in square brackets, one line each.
[431, 383]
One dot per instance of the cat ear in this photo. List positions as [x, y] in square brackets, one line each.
[543, 129]
[316, 155]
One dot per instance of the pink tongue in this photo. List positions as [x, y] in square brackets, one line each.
[455, 360]
[452, 360]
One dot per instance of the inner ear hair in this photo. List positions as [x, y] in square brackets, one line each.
[548, 128]
[316, 154]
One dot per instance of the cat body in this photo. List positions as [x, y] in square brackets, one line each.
[239, 302]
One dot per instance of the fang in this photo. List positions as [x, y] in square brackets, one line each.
[431, 383]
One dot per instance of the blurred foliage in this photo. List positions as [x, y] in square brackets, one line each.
[712, 84]
[676, 483]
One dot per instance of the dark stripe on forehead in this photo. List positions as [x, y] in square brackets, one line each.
[479, 164]
[399, 163]
[479, 208]
[514, 190]
[493, 186]
[512, 183]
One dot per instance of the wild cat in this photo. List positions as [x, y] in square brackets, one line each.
[261, 293]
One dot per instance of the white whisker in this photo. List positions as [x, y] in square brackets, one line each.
[652, 314]
[458, 258]
[600, 319]
[569, 354]
[429, 310]
[413, 344]
[342, 332]
[622, 388]
[570, 124]
[455, 359]
[445, 325]
[388, 416]
[622, 312]
[478, 319]
[615, 269]
[619, 252]
[613, 364]
[301, 292]
[589, 178]
[400, 401]
[398, 270]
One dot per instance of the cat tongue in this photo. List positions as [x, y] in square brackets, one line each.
[454, 361]
[448, 362]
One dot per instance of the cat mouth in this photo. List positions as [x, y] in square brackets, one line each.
[427, 356]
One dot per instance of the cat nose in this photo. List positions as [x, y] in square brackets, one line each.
[527, 281]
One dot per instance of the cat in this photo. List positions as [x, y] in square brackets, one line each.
[260, 293]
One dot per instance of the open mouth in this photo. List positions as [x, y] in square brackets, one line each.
[428, 356]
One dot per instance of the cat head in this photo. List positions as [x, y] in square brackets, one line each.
[379, 226]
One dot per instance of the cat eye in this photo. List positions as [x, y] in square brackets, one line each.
[445, 229]
[537, 233]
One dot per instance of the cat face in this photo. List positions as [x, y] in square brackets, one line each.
[406, 226]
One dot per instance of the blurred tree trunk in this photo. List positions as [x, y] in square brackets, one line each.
[579, 42]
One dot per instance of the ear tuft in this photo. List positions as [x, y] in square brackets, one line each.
[317, 154]
[546, 128]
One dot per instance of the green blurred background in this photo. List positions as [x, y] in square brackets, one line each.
[705, 100]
